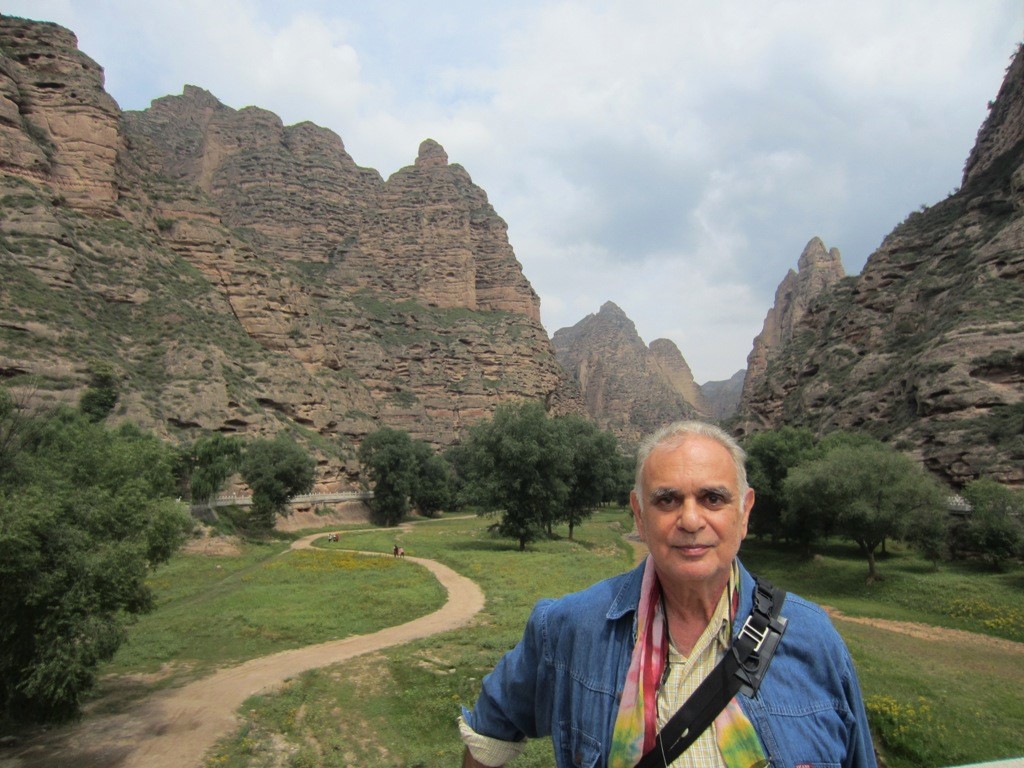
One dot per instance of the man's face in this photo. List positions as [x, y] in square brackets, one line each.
[691, 517]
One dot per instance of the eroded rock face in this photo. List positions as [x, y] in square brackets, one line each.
[628, 387]
[925, 348]
[57, 124]
[818, 269]
[669, 360]
[245, 276]
[439, 241]
[295, 190]
[1004, 127]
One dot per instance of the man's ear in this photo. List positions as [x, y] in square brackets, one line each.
[748, 504]
[638, 519]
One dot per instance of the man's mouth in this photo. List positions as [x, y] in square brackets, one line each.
[691, 549]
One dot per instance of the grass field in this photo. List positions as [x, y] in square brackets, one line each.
[215, 611]
[934, 702]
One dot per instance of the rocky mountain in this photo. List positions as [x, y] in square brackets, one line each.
[243, 276]
[925, 348]
[723, 397]
[628, 387]
[818, 269]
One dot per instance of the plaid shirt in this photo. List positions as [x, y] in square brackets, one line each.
[686, 673]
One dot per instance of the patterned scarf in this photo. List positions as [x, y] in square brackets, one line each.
[636, 724]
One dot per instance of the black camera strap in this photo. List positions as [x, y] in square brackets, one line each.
[741, 670]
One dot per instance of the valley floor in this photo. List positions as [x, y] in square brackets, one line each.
[176, 727]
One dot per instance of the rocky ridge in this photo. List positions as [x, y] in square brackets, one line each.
[244, 276]
[925, 348]
[627, 387]
[818, 269]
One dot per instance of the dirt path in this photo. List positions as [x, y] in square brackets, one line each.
[930, 633]
[175, 728]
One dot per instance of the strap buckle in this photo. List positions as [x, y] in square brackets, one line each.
[753, 665]
[750, 631]
[758, 637]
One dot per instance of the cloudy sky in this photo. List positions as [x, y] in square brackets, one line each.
[672, 156]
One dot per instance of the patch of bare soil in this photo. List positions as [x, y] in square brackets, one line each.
[208, 543]
[930, 633]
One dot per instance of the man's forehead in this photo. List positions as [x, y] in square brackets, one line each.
[692, 457]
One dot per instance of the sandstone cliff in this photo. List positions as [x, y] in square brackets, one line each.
[926, 347]
[245, 276]
[817, 270]
[58, 126]
[628, 387]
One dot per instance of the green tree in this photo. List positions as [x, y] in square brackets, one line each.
[993, 528]
[275, 470]
[866, 491]
[517, 463]
[593, 467]
[391, 463]
[212, 460]
[101, 395]
[404, 471]
[625, 477]
[770, 456]
[928, 530]
[432, 490]
[84, 520]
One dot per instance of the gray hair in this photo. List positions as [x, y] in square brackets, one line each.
[673, 434]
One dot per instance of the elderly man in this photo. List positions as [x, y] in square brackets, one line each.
[603, 670]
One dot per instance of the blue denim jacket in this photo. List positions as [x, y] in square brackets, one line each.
[565, 676]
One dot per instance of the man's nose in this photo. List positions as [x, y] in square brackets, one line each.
[691, 517]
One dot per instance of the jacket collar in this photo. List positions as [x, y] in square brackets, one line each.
[628, 597]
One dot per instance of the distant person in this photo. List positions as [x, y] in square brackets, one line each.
[603, 670]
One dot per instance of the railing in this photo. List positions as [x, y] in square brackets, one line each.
[310, 498]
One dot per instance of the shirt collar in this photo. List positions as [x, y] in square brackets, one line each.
[719, 629]
[628, 596]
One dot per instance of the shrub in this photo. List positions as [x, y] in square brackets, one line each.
[908, 730]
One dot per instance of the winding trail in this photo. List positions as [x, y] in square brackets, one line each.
[175, 728]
